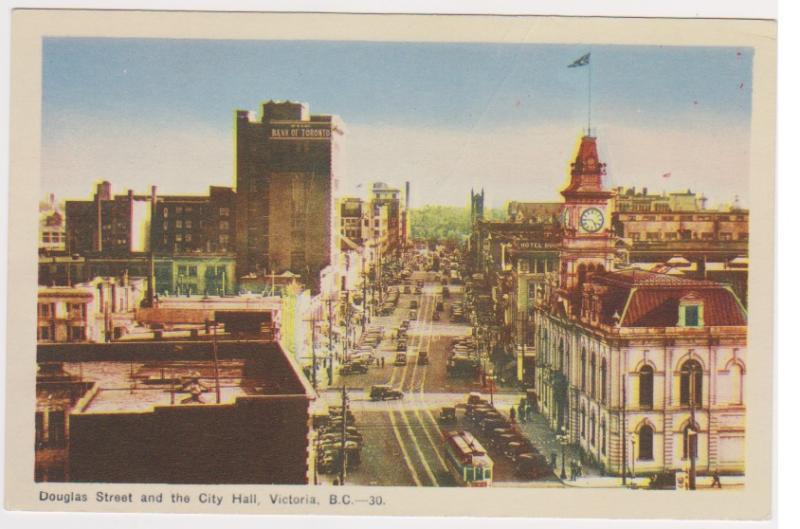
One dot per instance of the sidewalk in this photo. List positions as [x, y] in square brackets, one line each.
[544, 439]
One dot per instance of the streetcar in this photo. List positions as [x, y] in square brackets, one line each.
[467, 459]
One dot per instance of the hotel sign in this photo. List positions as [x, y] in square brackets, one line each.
[535, 245]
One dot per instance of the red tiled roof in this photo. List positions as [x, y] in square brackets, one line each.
[647, 299]
[654, 307]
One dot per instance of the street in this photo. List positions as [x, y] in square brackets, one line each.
[403, 442]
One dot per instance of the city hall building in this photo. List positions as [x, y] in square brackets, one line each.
[288, 164]
[642, 370]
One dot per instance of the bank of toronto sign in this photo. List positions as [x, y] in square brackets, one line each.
[299, 132]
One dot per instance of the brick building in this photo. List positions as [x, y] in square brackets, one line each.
[287, 168]
[152, 414]
[98, 310]
[204, 224]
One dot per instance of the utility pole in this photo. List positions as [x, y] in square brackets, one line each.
[624, 437]
[216, 362]
[313, 322]
[363, 296]
[343, 453]
[691, 438]
[329, 301]
[524, 340]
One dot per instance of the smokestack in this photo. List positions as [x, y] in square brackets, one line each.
[408, 194]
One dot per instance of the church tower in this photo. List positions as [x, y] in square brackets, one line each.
[588, 243]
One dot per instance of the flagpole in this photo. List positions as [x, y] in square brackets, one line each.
[589, 111]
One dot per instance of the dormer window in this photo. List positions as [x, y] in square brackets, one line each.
[690, 311]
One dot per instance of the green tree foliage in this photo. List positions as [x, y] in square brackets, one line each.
[440, 223]
[445, 223]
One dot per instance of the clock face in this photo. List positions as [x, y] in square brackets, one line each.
[592, 220]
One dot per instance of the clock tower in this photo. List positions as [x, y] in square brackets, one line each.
[588, 243]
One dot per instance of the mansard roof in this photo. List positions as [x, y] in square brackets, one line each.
[648, 299]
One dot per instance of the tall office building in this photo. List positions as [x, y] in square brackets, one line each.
[287, 168]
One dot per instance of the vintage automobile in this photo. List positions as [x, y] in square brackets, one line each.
[475, 398]
[401, 359]
[532, 466]
[665, 480]
[353, 368]
[447, 415]
[414, 304]
[412, 314]
[422, 358]
[384, 392]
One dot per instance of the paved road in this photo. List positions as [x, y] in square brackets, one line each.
[402, 439]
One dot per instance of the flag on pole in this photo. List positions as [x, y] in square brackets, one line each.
[583, 61]
[666, 175]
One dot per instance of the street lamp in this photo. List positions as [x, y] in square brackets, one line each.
[633, 461]
[563, 439]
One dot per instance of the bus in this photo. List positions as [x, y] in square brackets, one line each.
[467, 459]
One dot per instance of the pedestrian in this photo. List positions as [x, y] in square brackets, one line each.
[521, 413]
[572, 471]
[512, 414]
[715, 482]
[579, 469]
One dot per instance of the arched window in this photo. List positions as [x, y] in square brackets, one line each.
[593, 375]
[583, 369]
[603, 436]
[646, 442]
[544, 346]
[592, 429]
[583, 421]
[689, 441]
[691, 383]
[603, 375]
[561, 354]
[646, 387]
[737, 384]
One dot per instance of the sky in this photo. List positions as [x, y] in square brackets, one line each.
[448, 117]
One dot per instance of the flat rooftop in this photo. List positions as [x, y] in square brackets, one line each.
[132, 387]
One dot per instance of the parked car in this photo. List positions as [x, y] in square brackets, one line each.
[447, 415]
[353, 368]
[412, 314]
[400, 359]
[532, 466]
[384, 392]
[414, 304]
[422, 358]
[663, 480]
